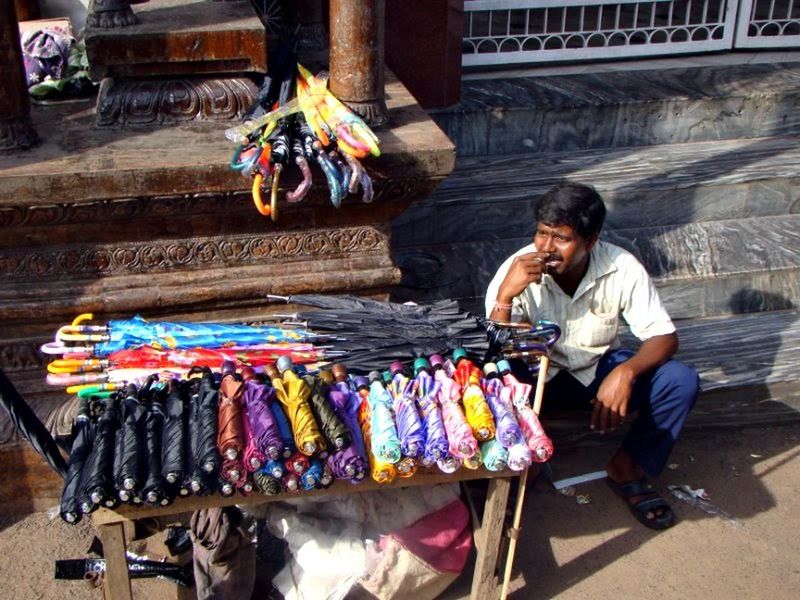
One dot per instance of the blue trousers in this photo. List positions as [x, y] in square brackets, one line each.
[662, 400]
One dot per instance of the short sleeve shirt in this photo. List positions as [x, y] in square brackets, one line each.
[615, 285]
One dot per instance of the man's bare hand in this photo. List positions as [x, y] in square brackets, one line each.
[524, 270]
[611, 402]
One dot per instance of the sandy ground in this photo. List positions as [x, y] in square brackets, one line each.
[571, 550]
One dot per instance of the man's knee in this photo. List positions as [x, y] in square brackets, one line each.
[681, 380]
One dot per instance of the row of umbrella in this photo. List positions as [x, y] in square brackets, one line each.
[281, 429]
[106, 357]
[363, 333]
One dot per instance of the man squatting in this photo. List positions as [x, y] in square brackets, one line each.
[568, 276]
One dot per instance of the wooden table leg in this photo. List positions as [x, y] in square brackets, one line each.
[117, 584]
[488, 539]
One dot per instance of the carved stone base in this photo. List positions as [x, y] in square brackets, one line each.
[17, 134]
[108, 14]
[374, 112]
[164, 101]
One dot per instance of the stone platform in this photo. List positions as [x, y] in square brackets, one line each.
[623, 108]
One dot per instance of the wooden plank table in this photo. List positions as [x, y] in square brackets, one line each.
[115, 526]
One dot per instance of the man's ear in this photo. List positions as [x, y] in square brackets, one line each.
[591, 241]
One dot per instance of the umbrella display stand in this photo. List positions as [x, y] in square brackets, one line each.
[115, 526]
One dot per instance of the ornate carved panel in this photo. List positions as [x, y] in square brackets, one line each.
[160, 101]
[124, 258]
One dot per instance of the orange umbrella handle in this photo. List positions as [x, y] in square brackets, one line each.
[264, 210]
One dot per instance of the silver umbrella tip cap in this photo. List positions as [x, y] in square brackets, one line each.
[284, 363]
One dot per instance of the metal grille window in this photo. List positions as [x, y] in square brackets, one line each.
[515, 31]
[768, 24]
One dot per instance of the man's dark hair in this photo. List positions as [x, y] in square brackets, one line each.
[573, 204]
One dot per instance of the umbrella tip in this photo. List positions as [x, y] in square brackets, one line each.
[275, 298]
[420, 364]
[284, 363]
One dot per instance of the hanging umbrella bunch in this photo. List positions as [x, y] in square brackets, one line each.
[305, 125]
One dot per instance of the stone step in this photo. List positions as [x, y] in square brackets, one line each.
[510, 115]
[642, 187]
[749, 373]
[701, 269]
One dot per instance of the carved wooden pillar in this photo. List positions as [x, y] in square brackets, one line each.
[16, 129]
[357, 56]
[27, 10]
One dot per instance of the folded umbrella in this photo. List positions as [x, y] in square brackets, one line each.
[507, 428]
[206, 459]
[331, 426]
[173, 450]
[409, 424]
[479, 415]
[82, 435]
[351, 461]
[257, 397]
[230, 433]
[29, 426]
[459, 434]
[98, 485]
[495, 455]
[427, 389]
[154, 490]
[539, 443]
[293, 394]
[131, 469]
[385, 441]
[382, 471]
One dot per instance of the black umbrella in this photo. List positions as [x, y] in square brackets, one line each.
[173, 449]
[29, 426]
[131, 471]
[82, 434]
[153, 491]
[373, 334]
[193, 474]
[99, 467]
[206, 457]
[119, 448]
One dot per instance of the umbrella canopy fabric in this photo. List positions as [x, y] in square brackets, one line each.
[373, 334]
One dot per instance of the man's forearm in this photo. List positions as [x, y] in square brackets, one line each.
[500, 313]
[652, 353]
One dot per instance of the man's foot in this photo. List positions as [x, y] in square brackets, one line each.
[626, 479]
[650, 509]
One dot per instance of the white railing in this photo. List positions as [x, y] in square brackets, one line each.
[498, 32]
[768, 24]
